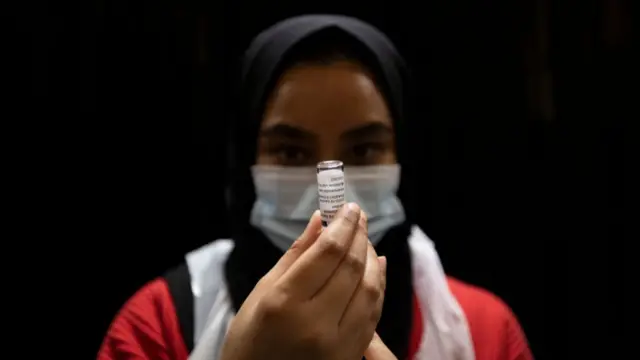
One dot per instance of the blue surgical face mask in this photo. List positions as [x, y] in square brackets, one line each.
[286, 197]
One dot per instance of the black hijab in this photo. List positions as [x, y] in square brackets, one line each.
[264, 62]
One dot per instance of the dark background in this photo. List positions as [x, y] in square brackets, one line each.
[521, 132]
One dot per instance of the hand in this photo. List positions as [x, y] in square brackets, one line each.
[377, 350]
[322, 300]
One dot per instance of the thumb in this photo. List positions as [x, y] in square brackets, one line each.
[301, 245]
[377, 350]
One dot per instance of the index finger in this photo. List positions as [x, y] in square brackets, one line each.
[313, 269]
[298, 248]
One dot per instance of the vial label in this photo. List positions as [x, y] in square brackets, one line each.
[330, 193]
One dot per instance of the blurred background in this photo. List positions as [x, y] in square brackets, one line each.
[521, 125]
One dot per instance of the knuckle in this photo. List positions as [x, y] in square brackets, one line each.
[355, 263]
[264, 281]
[296, 245]
[376, 314]
[317, 339]
[272, 304]
[332, 245]
[371, 291]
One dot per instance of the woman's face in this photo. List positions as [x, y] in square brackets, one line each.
[326, 112]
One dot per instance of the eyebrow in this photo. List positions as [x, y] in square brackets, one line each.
[293, 132]
[369, 130]
[286, 131]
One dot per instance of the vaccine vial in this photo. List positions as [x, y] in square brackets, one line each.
[330, 189]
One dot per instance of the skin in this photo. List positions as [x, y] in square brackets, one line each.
[326, 112]
[323, 299]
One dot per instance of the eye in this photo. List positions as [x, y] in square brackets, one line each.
[368, 151]
[290, 155]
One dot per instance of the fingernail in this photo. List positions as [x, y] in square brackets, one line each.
[363, 220]
[352, 212]
[316, 214]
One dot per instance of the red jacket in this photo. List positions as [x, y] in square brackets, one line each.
[147, 326]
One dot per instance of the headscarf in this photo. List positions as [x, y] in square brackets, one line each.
[253, 254]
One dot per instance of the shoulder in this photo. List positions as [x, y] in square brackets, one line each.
[149, 308]
[479, 303]
[495, 331]
[146, 327]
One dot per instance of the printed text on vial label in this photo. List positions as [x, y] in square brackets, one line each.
[330, 193]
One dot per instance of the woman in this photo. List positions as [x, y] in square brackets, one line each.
[316, 88]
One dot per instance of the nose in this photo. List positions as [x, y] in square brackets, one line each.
[328, 148]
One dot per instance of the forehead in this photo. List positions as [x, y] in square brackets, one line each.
[318, 98]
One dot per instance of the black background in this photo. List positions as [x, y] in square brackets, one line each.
[525, 202]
